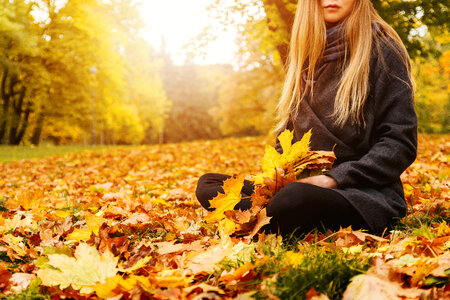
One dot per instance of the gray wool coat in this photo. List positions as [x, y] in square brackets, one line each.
[370, 159]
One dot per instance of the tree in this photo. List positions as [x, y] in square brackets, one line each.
[145, 88]
[432, 76]
[81, 37]
[406, 17]
[265, 29]
[18, 69]
[193, 91]
[75, 38]
[47, 51]
[248, 97]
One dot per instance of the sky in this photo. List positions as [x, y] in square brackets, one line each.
[180, 20]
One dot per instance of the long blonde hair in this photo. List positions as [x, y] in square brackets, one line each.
[307, 46]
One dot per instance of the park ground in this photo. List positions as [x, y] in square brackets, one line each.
[124, 223]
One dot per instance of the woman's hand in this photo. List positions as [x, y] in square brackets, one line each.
[320, 180]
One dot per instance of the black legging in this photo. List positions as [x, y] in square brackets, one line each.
[298, 207]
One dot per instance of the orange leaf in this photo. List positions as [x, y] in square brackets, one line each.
[263, 219]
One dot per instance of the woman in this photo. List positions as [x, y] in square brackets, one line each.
[349, 79]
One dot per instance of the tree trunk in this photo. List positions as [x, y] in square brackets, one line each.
[36, 137]
[24, 126]
[4, 114]
[13, 117]
[19, 119]
[288, 19]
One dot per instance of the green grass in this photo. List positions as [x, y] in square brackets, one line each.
[328, 273]
[31, 293]
[411, 222]
[325, 269]
[14, 153]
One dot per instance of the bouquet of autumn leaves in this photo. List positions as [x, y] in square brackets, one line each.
[297, 161]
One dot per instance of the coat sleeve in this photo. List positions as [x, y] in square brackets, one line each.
[394, 145]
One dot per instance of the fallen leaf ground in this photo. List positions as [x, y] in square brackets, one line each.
[125, 223]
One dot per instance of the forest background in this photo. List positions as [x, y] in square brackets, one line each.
[80, 72]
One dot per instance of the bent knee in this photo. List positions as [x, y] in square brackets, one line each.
[203, 179]
[208, 186]
[288, 200]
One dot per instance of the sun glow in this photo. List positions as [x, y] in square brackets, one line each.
[178, 21]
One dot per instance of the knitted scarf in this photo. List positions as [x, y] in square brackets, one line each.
[334, 49]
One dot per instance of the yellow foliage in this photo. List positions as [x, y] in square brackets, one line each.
[293, 258]
[223, 202]
[172, 278]
[87, 269]
[116, 285]
[79, 234]
[273, 160]
[83, 234]
[28, 199]
[25, 221]
[432, 96]
[270, 162]
[297, 151]
[227, 227]
[139, 264]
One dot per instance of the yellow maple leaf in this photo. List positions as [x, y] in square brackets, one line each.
[298, 150]
[79, 234]
[117, 285]
[83, 271]
[93, 223]
[223, 202]
[270, 162]
[285, 139]
[292, 153]
[443, 229]
[28, 199]
[15, 244]
[24, 220]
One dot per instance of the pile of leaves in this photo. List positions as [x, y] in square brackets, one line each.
[125, 224]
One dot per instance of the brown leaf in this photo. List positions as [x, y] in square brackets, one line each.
[136, 219]
[369, 286]
[117, 246]
[380, 282]
[206, 261]
[242, 217]
[163, 248]
[65, 227]
[5, 275]
[263, 219]
[347, 238]
[47, 238]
